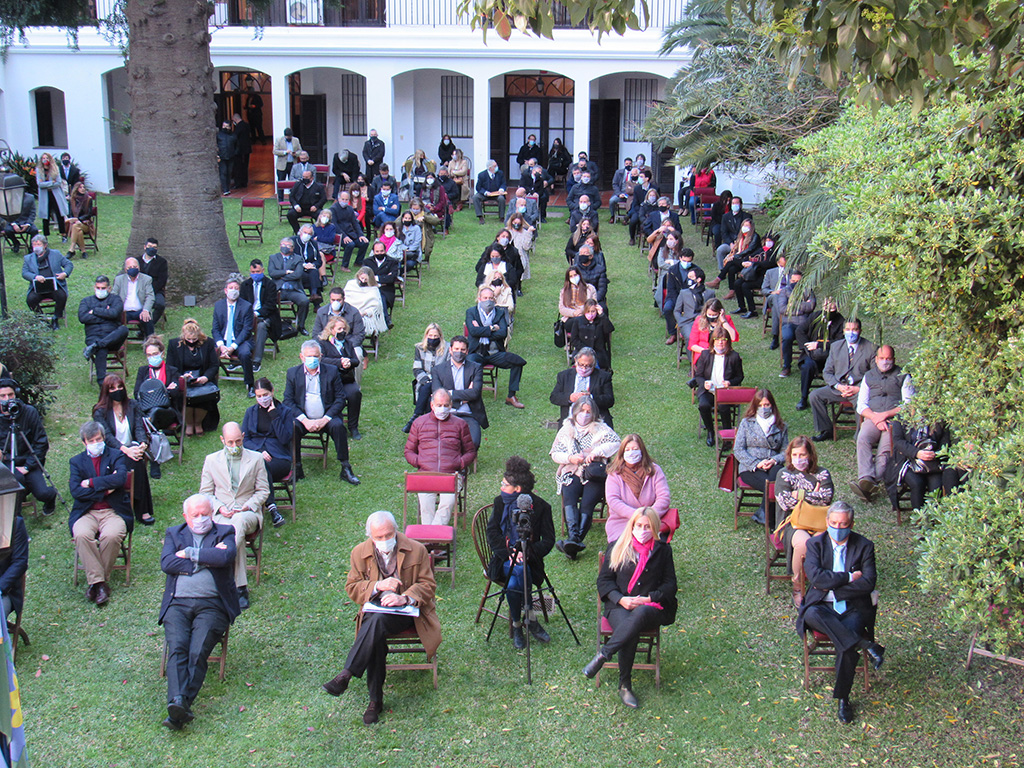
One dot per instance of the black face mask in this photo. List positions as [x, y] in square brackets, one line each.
[118, 395]
[151, 252]
[433, 343]
[662, 208]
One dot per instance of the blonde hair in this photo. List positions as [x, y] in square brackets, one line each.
[191, 325]
[331, 325]
[442, 348]
[623, 553]
[372, 282]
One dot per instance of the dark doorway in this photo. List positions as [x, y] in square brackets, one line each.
[604, 137]
[309, 121]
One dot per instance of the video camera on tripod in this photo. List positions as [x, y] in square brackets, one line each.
[10, 409]
[523, 520]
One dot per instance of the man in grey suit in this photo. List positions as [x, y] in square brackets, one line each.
[137, 295]
[771, 288]
[463, 379]
[846, 365]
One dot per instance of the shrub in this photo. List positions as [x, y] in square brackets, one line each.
[28, 350]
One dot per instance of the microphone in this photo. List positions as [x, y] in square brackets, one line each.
[524, 503]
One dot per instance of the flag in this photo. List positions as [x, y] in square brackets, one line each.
[11, 724]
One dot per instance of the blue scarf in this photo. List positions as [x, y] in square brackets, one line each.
[508, 525]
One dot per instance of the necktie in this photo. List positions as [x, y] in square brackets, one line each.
[839, 565]
[229, 334]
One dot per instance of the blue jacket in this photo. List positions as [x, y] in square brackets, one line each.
[58, 263]
[390, 205]
[112, 477]
[221, 563]
[278, 441]
[484, 182]
[243, 321]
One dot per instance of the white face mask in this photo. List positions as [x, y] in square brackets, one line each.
[95, 449]
[442, 412]
[385, 547]
[502, 241]
[633, 456]
[201, 524]
[304, 237]
[584, 206]
[574, 279]
[336, 306]
[102, 293]
[232, 294]
[642, 535]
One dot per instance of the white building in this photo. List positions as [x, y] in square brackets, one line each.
[412, 69]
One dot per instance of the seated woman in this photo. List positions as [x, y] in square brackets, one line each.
[494, 258]
[503, 294]
[459, 167]
[579, 236]
[157, 367]
[507, 564]
[916, 462]
[801, 477]
[760, 447]
[751, 276]
[194, 354]
[717, 368]
[412, 239]
[712, 317]
[523, 236]
[743, 250]
[363, 294]
[634, 481]
[669, 280]
[268, 427]
[393, 244]
[126, 433]
[428, 353]
[591, 329]
[357, 191]
[559, 159]
[81, 220]
[574, 295]
[637, 584]
[336, 349]
[324, 232]
[581, 448]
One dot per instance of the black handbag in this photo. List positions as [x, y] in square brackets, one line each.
[595, 470]
[559, 333]
[153, 395]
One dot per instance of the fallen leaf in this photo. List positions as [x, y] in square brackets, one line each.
[44, 657]
[39, 672]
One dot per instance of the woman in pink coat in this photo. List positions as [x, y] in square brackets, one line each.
[634, 481]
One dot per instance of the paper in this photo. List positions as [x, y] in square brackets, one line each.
[398, 610]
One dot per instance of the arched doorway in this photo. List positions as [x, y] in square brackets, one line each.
[51, 124]
[246, 93]
[529, 102]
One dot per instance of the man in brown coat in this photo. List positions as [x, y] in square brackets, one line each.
[393, 572]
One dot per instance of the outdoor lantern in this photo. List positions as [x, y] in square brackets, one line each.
[9, 490]
[13, 194]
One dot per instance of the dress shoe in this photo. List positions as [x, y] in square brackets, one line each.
[354, 433]
[300, 473]
[90, 593]
[408, 425]
[784, 373]
[154, 470]
[714, 283]
[49, 508]
[518, 640]
[303, 332]
[250, 393]
[632, 242]
[729, 295]
[372, 713]
[514, 402]
[572, 548]
[347, 474]
[178, 710]
[876, 653]
[863, 489]
[710, 440]
[541, 634]
[775, 343]
[243, 598]
[595, 665]
[102, 593]
[845, 711]
[628, 697]
[339, 684]
[748, 315]
[147, 520]
[87, 352]
[174, 725]
[802, 405]
[276, 518]
[481, 218]
[823, 436]
[560, 546]
[670, 341]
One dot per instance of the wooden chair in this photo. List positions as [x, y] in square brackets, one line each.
[220, 659]
[322, 173]
[371, 346]
[478, 528]
[903, 502]
[488, 203]
[286, 487]
[47, 308]
[817, 644]
[600, 513]
[774, 549]
[844, 418]
[136, 335]
[649, 645]
[254, 552]
[250, 228]
[117, 360]
[126, 544]
[404, 644]
[91, 230]
[14, 629]
[731, 398]
[321, 440]
[283, 203]
[440, 540]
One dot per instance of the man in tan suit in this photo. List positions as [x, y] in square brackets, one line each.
[237, 478]
[389, 570]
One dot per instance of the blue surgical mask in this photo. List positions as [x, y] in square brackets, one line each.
[312, 363]
[257, 277]
[839, 534]
[852, 337]
[155, 361]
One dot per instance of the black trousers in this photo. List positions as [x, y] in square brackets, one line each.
[54, 210]
[60, 299]
[627, 626]
[277, 469]
[242, 170]
[846, 632]
[579, 501]
[192, 627]
[514, 363]
[145, 327]
[224, 167]
[34, 482]
[922, 484]
[301, 301]
[336, 429]
[283, 176]
[159, 305]
[353, 403]
[360, 250]
[112, 340]
[808, 370]
[759, 479]
[369, 651]
[706, 406]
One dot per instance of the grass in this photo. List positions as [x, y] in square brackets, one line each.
[732, 671]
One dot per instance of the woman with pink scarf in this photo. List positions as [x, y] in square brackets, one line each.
[637, 583]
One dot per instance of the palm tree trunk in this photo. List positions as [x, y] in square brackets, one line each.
[177, 188]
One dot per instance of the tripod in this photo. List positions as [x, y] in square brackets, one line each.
[11, 451]
[522, 550]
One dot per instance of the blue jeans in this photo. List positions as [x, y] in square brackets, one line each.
[515, 576]
[788, 337]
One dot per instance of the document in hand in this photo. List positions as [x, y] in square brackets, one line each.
[398, 610]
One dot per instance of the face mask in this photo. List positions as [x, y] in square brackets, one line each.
[671, 242]
[584, 370]
[389, 233]
[633, 456]
[95, 449]
[712, 319]
[324, 221]
[885, 365]
[256, 276]
[442, 412]
[102, 293]
[415, 212]
[522, 208]
[202, 524]
[232, 294]
[518, 225]
[363, 282]
[583, 418]
[584, 206]
[502, 241]
[430, 182]
[529, 143]
[802, 463]
[336, 306]
[735, 208]
[343, 203]
[233, 450]
[264, 401]
[764, 411]
[663, 208]
[745, 229]
[458, 355]
[719, 351]
[118, 395]
[495, 283]
[133, 272]
[642, 535]
[839, 534]
[304, 237]
[768, 245]
[312, 363]
[433, 343]
[652, 200]
[385, 547]
[591, 316]
[852, 337]
[575, 279]
[585, 179]
[151, 252]
[685, 265]
[486, 306]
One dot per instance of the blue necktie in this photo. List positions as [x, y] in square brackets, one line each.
[839, 565]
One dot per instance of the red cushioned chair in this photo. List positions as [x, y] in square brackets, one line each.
[649, 645]
[731, 398]
[439, 539]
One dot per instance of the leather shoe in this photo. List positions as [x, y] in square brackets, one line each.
[714, 283]
[102, 593]
[670, 341]
[823, 437]
[50, 507]
[784, 373]
[748, 315]
[863, 489]
[710, 440]
[339, 684]
[514, 402]
[174, 725]
[408, 425]
[348, 475]
[560, 546]
[518, 640]
[354, 433]
[774, 344]
[572, 548]
[802, 405]
[845, 711]
[87, 352]
[729, 295]
[541, 635]
[876, 653]
[595, 665]
[178, 710]
[243, 598]
[90, 593]
[277, 518]
[628, 698]
[372, 713]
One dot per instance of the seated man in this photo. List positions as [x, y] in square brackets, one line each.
[585, 187]
[236, 479]
[463, 380]
[439, 442]
[46, 270]
[593, 270]
[582, 211]
[232, 330]
[307, 198]
[315, 391]
[300, 166]
[199, 604]
[662, 217]
[155, 266]
[23, 225]
[525, 206]
[772, 285]
[539, 183]
[101, 316]
[386, 206]
[383, 177]
[621, 193]
[388, 272]
[30, 445]
[846, 365]
[13, 565]
[883, 391]
[450, 186]
[488, 331]
[797, 305]
[137, 295]
[824, 328]
[840, 571]
[287, 270]
[508, 566]
[101, 515]
[529, 151]
[260, 291]
[692, 297]
[586, 165]
[388, 570]
[583, 379]
[490, 184]
[353, 237]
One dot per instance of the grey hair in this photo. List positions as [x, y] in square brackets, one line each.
[309, 345]
[441, 392]
[578, 406]
[197, 499]
[379, 518]
[40, 239]
[306, 226]
[842, 507]
[586, 352]
[90, 429]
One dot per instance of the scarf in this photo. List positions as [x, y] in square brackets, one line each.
[765, 424]
[643, 554]
[507, 522]
[387, 241]
[633, 478]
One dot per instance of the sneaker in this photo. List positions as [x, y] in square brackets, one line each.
[276, 517]
[256, 366]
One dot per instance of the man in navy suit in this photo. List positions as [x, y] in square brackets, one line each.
[353, 238]
[463, 379]
[490, 183]
[584, 379]
[840, 570]
[663, 218]
[487, 325]
[200, 601]
[101, 515]
[232, 330]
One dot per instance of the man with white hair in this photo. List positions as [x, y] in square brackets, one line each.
[490, 184]
[391, 573]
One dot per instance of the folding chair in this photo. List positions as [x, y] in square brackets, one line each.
[14, 630]
[250, 228]
[220, 659]
[283, 202]
[774, 549]
[903, 502]
[136, 336]
[322, 174]
[47, 307]
[126, 544]
[731, 398]
[440, 540]
[254, 552]
[748, 499]
[371, 346]
[406, 643]
[649, 645]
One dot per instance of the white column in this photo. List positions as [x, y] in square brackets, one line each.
[481, 123]
[279, 103]
[581, 119]
[380, 96]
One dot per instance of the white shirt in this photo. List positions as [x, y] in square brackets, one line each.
[122, 430]
[131, 301]
[718, 370]
[314, 405]
[906, 392]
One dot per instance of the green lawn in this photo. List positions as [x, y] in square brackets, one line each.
[731, 692]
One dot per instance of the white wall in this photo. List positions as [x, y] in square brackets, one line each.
[118, 104]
